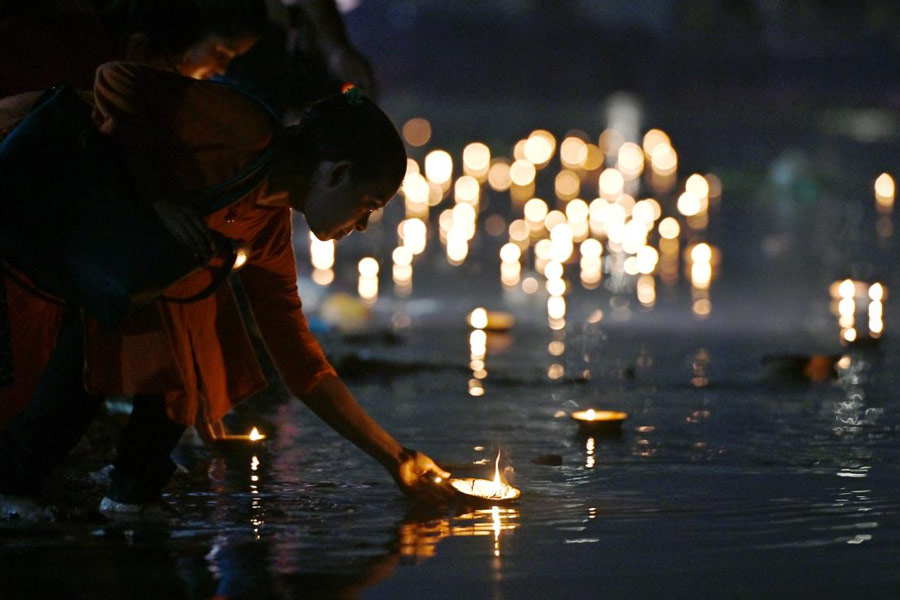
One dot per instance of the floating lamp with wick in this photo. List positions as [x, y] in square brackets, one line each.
[599, 421]
[485, 491]
[236, 440]
[490, 320]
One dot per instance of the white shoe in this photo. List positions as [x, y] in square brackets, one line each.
[25, 508]
[157, 510]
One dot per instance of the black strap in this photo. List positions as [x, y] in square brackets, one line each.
[220, 195]
[31, 289]
[221, 275]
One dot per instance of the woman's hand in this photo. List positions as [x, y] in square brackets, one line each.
[418, 476]
[188, 228]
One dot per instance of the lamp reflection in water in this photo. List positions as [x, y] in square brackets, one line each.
[847, 298]
[256, 509]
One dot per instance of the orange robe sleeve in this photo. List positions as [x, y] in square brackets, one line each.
[270, 283]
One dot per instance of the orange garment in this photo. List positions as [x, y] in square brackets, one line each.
[181, 135]
[34, 324]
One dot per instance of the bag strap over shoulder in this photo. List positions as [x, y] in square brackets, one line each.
[216, 197]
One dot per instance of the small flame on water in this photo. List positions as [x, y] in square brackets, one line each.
[255, 434]
[497, 481]
[591, 415]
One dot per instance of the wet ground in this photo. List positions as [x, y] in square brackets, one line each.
[728, 479]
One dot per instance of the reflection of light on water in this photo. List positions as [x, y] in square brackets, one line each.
[322, 277]
[699, 368]
[848, 296]
[368, 279]
[477, 352]
[457, 246]
[491, 522]
[589, 452]
[321, 253]
[256, 509]
[420, 540]
[646, 290]
[510, 269]
[414, 234]
[402, 270]
[591, 263]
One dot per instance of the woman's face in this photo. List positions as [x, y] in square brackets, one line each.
[336, 204]
[211, 55]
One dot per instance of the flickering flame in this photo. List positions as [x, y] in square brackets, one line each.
[497, 483]
[240, 257]
[255, 435]
[590, 414]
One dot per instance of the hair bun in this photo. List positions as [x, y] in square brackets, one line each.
[352, 94]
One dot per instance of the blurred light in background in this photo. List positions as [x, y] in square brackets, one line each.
[417, 132]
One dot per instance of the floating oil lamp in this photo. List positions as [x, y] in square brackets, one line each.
[237, 440]
[485, 491]
[490, 320]
[599, 421]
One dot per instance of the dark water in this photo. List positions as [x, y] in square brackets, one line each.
[728, 480]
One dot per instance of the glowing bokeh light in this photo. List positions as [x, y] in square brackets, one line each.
[535, 210]
[611, 183]
[697, 185]
[510, 253]
[438, 166]
[522, 173]
[476, 159]
[573, 153]
[876, 292]
[653, 138]
[539, 147]
[610, 141]
[688, 204]
[630, 160]
[478, 319]
[664, 159]
[499, 176]
[467, 190]
[417, 132]
[414, 234]
[567, 184]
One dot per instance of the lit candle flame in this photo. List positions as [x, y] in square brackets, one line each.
[497, 483]
[590, 414]
[255, 434]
